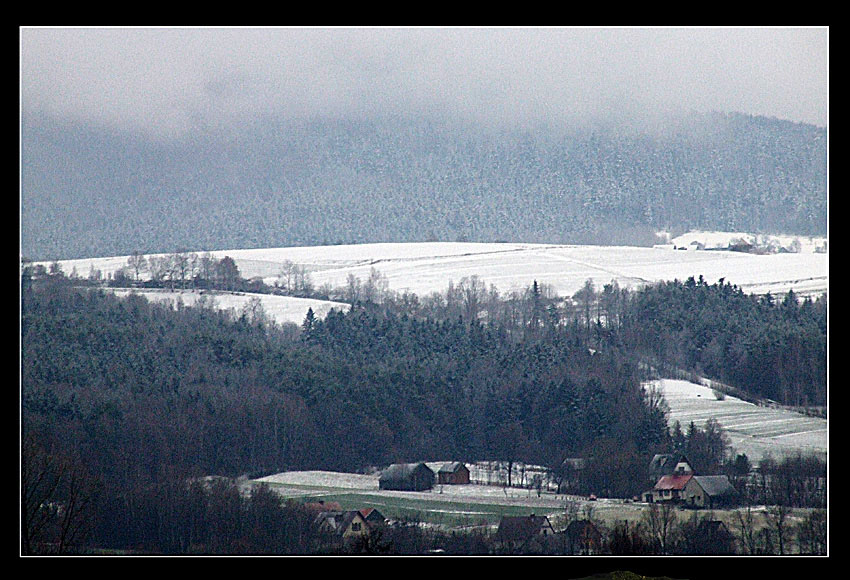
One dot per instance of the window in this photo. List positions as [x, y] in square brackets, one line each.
[355, 527]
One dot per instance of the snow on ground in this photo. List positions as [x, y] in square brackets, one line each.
[281, 309]
[807, 244]
[754, 430]
[429, 267]
[423, 268]
[469, 500]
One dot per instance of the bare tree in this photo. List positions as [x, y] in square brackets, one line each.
[745, 523]
[777, 519]
[660, 519]
[812, 532]
[138, 264]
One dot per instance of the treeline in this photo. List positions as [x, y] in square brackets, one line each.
[769, 348]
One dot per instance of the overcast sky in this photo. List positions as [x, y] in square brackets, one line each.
[167, 80]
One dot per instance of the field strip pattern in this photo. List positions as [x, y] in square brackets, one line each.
[754, 430]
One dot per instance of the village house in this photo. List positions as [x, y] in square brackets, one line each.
[344, 525]
[454, 473]
[668, 488]
[709, 491]
[406, 477]
[668, 464]
[713, 537]
[373, 517]
[583, 537]
[519, 531]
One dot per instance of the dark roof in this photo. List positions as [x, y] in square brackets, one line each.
[521, 527]
[715, 485]
[452, 467]
[673, 482]
[337, 521]
[665, 463]
[576, 527]
[402, 471]
[372, 515]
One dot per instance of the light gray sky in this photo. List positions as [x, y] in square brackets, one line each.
[167, 80]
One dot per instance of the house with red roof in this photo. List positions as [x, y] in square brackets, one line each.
[668, 488]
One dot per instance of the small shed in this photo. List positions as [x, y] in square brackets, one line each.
[407, 477]
[710, 491]
[454, 473]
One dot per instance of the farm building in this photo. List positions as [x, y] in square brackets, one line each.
[407, 477]
[668, 464]
[668, 488]
[523, 528]
[709, 491]
[583, 537]
[454, 473]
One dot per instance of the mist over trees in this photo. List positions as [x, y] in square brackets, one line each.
[90, 193]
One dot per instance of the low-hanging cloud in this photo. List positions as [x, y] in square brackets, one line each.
[169, 80]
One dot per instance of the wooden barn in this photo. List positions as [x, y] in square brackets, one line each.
[454, 473]
[709, 491]
[407, 477]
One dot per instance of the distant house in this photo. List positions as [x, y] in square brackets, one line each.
[454, 473]
[709, 491]
[668, 464]
[373, 517]
[345, 525]
[714, 537]
[583, 537]
[668, 488]
[521, 529]
[407, 477]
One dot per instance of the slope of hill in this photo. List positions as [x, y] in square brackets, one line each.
[86, 192]
[422, 268]
[753, 430]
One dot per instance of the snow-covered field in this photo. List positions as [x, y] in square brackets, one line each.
[427, 267]
[754, 430]
[281, 309]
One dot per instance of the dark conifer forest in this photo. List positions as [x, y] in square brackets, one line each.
[135, 398]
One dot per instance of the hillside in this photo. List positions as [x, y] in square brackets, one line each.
[423, 268]
[88, 192]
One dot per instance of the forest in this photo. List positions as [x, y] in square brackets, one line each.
[129, 399]
[327, 181]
